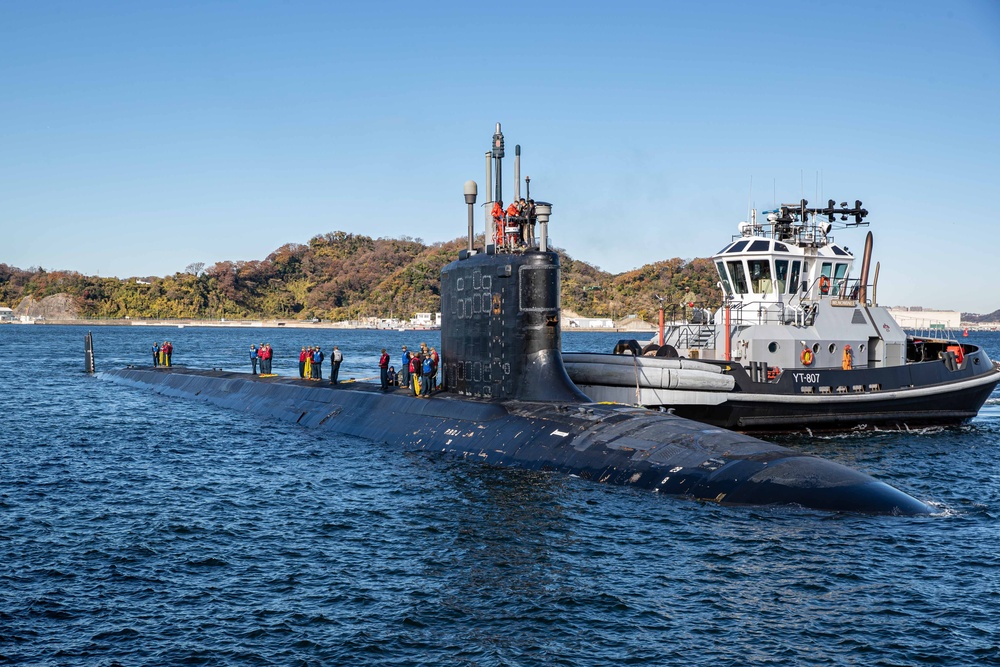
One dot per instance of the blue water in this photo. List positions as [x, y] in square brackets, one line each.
[142, 530]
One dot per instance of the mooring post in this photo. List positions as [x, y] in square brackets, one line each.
[88, 350]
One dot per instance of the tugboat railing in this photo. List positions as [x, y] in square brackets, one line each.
[693, 336]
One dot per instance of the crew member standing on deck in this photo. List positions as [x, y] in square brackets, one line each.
[529, 214]
[404, 369]
[265, 358]
[435, 360]
[513, 221]
[383, 365]
[156, 354]
[318, 358]
[426, 371]
[415, 372]
[170, 351]
[335, 362]
[497, 214]
[302, 363]
[523, 207]
[309, 363]
[253, 359]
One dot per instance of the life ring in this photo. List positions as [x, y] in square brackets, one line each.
[806, 357]
[824, 285]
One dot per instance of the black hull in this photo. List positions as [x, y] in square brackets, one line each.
[610, 444]
[831, 399]
[910, 396]
[944, 409]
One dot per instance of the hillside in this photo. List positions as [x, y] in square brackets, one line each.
[973, 317]
[343, 276]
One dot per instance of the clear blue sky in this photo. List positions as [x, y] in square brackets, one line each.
[139, 137]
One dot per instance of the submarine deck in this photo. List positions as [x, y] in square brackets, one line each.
[613, 444]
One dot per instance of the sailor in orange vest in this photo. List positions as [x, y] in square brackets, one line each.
[513, 215]
[497, 214]
[848, 362]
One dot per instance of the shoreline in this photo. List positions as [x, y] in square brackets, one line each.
[272, 324]
[347, 325]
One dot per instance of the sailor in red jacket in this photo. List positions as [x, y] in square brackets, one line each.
[415, 371]
[383, 364]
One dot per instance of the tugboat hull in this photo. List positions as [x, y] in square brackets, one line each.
[909, 396]
[899, 410]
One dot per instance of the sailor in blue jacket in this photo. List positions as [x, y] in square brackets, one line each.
[317, 365]
[427, 370]
[404, 369]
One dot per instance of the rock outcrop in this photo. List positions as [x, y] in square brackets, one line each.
[55, 307]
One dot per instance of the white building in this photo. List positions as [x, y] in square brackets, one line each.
[590, 323]
[923, 320]
[426, 320]
[6, 314]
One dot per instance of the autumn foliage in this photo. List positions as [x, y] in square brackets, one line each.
[338, 276]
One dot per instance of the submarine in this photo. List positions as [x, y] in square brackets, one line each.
[507, 400]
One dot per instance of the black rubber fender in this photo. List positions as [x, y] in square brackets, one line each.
[628, 347]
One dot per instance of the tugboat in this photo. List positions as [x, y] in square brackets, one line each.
[507, 401]
[798, 343]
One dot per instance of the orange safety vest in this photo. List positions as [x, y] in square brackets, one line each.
[959, 352]
[513, 210]
[497, 214]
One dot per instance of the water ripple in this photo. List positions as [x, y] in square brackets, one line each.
[137, 529]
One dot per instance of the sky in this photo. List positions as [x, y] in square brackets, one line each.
[137, 138]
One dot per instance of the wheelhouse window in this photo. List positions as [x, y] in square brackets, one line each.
[739, 276]
[727, 288]
[781, 274]
[839, 278]
[739, 246]
[759, 246]
[793, 283]
[760, 275]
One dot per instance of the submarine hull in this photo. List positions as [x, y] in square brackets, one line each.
[609, 444]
